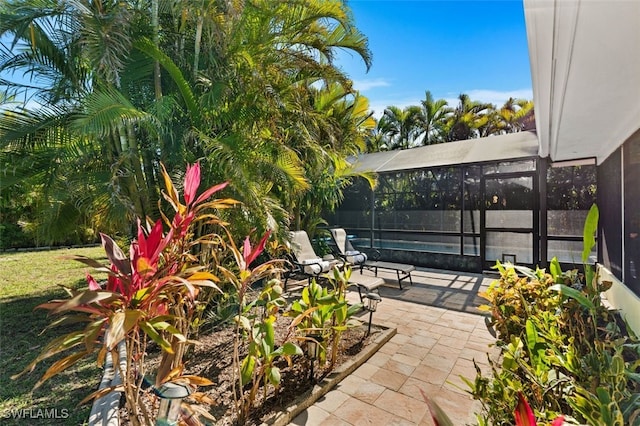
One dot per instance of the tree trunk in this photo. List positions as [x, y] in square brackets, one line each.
[143, 189]
[150, 178]
[128, 173]
[196, 53]
[156, 41]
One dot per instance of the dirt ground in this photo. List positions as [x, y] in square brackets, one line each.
[212, 359]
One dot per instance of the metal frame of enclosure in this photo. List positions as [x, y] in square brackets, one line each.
[464, 205]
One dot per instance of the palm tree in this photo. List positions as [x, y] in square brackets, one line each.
[433, 119]
[269, 129]
[401, 126]
[510, 118]
[342, 119]
[376, 140]
[467, 117]
[233, 76]
[81, 127]
[513, 113]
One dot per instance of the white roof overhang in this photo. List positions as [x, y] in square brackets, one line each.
[585, 69]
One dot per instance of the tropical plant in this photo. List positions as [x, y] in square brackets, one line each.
[325, 312]
[150, 296]
[433, 119]
[260, 333]
[342, 313]
[513, 114]
[466, 118]
[509, 118]
[561, 348]
[80, 135]
[401, 126]
[128, 85]
[258, 367]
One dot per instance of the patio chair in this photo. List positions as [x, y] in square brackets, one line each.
[305, 260]
[347, 252]
[308, 263]
[345, 249]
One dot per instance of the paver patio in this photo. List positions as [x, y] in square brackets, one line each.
[439, 334]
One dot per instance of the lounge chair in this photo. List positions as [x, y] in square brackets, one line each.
[305, 259]
[360, 259]
[345, 249]
[402, 270]
[308, 263]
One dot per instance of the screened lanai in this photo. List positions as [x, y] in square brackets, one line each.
[463, 205]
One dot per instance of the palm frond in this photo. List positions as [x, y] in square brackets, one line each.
[33, 128]
[165, 61]
[102, 109]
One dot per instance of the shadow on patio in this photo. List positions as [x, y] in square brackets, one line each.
[451, 290]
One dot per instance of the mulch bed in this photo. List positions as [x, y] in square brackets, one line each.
[212, 359]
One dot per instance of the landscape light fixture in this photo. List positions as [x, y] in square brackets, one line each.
[171, 396]
[314, 344]
[372, 300]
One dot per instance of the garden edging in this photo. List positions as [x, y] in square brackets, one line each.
[331, 380]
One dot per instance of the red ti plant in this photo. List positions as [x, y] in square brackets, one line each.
[524, 414]
[149, 296]
[242, 280]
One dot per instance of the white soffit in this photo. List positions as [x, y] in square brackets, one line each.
[492, 148]
[585, 67]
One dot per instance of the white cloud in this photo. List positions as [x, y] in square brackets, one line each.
[364, 85]
[496, 97]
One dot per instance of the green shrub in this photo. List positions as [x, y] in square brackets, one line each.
[562, 348]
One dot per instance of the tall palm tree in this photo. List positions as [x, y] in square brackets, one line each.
[376, 140]
[270, 130]
[233, 77]
[401, 125]
[433, 119]
[341, 123]
[513, 113]
[509, 118]
[80, 126]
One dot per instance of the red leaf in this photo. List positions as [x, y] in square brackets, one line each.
[250, 255]
[152, 245]
[191, 182]
[80, 302]
[93, 284]
[114, 282]
[115, 255]
[209, 192]
[524, 414]
[558, 421]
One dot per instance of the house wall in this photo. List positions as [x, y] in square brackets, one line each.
[621, 298]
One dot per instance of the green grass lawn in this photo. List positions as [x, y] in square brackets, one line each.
[28, 279]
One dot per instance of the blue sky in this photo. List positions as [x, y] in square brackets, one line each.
[449, 47]
[477, 47]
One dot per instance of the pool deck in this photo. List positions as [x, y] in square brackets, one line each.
[439, 334]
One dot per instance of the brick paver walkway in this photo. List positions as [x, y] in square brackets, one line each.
[439, 334]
